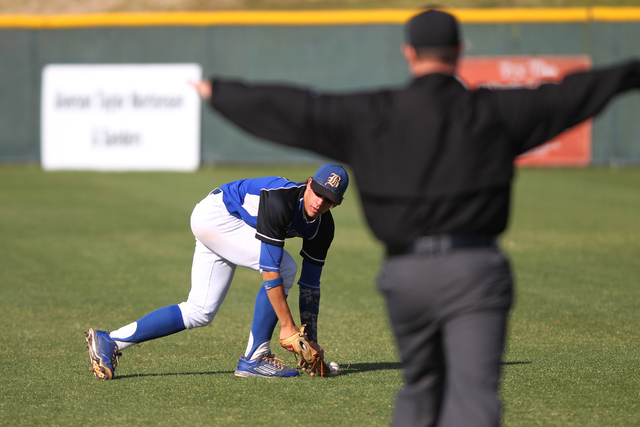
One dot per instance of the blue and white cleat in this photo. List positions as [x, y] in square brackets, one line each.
[103, 354]
[265, 366]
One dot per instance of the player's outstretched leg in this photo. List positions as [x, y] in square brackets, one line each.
[157, 324]
[104, 347]
[103, 354]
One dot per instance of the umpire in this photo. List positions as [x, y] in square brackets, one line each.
[434, 166]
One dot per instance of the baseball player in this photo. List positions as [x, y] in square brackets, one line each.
[245, 223]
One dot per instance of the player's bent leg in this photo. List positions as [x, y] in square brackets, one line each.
[264, 316]
[258, 360]
[211, 278]
[262, 326]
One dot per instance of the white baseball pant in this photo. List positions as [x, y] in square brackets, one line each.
[223, 242]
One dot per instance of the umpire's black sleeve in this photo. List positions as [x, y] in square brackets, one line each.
[296, 117]
[536, 116]
[269, 112]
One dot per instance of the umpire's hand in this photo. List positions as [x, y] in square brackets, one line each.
[203, 87]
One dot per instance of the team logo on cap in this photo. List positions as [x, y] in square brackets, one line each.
[333, 180]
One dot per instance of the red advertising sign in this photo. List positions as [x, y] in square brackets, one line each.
[570, 148]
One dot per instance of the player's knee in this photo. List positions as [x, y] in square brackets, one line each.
[195, 317]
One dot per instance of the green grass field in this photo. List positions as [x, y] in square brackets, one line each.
[100, 250]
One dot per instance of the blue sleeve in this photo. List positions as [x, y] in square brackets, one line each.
[270, 257]
[310, 275]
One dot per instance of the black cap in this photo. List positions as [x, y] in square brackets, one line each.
[432, 28]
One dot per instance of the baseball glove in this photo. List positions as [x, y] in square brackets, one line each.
[299, 344]
[311, 359]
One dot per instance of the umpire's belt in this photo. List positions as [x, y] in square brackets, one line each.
[439, 244]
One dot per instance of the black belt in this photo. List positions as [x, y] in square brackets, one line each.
[431, 245]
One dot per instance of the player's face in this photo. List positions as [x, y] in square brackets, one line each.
[315, 204]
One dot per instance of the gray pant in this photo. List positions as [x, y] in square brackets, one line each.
[449, 313]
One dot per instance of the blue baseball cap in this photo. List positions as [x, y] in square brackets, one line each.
[331, 181]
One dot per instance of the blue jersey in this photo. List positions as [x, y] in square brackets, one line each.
[274, 207]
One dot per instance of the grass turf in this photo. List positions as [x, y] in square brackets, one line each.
[100, 250]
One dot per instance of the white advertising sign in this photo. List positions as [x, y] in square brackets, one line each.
[120, 117]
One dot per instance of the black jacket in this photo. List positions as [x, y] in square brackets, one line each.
[429, 158]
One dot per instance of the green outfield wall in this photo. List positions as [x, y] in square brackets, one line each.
[332, 50]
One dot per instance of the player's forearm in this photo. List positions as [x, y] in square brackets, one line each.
[279, 303]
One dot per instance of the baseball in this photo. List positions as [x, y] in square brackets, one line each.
[335, 369]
